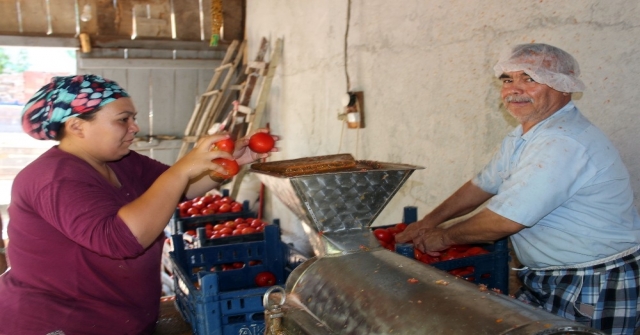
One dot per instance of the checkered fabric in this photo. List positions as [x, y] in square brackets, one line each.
[603, 296]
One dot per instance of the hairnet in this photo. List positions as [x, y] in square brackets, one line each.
[545, 64]
[65, 97]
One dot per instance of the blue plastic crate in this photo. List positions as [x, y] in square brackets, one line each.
[227, 302]
[490, 269]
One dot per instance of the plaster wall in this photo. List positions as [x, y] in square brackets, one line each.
[426, 71]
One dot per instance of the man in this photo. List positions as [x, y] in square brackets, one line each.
[559, 189]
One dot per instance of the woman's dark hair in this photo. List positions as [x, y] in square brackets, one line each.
[84, 116]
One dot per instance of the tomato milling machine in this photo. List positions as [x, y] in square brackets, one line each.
[354, 286]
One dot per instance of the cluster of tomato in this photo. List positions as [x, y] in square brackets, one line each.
[386, 237]
[239, 226]
[209, 205]
[259, 142]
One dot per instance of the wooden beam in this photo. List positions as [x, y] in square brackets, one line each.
[39, 41]
[146, 63]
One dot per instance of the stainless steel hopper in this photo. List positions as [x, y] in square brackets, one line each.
[338, 208]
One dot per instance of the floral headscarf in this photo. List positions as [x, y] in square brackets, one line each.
[65, 97]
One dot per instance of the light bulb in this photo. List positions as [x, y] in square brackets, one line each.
[86, 13]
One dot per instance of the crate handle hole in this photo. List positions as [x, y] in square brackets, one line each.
[257, 317]
[237, 318]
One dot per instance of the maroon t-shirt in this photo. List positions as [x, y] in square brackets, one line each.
[75, 266]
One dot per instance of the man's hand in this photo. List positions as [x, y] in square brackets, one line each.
[244, 155]
[431, 241]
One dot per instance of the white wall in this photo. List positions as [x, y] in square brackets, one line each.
[425, 67]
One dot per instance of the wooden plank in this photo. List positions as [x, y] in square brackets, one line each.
[9, 20]
[92, 63]
[39, 41]
[63, 18]
[187, 14]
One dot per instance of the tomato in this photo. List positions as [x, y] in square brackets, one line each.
[191, 232]
[226, 230]
[383, 235]
[226, 145]
[225, 200]
[236, 207]
[207, 211]
[265, 278]
[400, 227]
[256, 223]
[248, 230]
[473, 251]
[183, 206]
[224, 208]
[239, 220]
[218, 226]
[207, 199]
[242, 226]
[213, 206]
[230, 165]
[261, 143]
[231, 224]
[193, 211]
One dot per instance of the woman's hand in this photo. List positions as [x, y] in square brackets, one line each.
[244, 155]
[198, 160]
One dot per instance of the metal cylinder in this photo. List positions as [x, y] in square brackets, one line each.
[381, 292]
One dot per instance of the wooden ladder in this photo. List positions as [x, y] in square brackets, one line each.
[209, 104]
[245, 119]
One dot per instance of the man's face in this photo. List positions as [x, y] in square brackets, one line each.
[528, 101]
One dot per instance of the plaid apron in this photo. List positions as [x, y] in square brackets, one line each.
[603, 296]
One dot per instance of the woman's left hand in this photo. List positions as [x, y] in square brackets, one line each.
[244, 155]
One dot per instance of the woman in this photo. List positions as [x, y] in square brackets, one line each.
[87, 217]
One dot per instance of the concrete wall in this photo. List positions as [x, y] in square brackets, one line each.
[425, 67]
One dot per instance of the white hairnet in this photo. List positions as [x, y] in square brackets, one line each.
[545, 64]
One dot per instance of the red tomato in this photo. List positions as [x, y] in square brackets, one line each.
[191, 232]
[265, 278]
[225, 145]
[231, 224]
[400, 227]
[256, 223]
[236, 207]
[231, 166]
[226, 230]
[198, 205]
[226, 200]
[237, 265]
[218, 226]
[242, 226]
[248, 230]
[239, 220]
[224, 208]
[207, 199]
[183, 206]
[193, 211]
[261, 143]
[206, 211]
[213, 206]
[383, 235]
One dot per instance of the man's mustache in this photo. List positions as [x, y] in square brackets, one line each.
[517, 98]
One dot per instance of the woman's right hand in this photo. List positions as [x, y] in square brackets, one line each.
[199, 159]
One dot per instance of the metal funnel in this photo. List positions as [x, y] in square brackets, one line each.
[338, 208]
